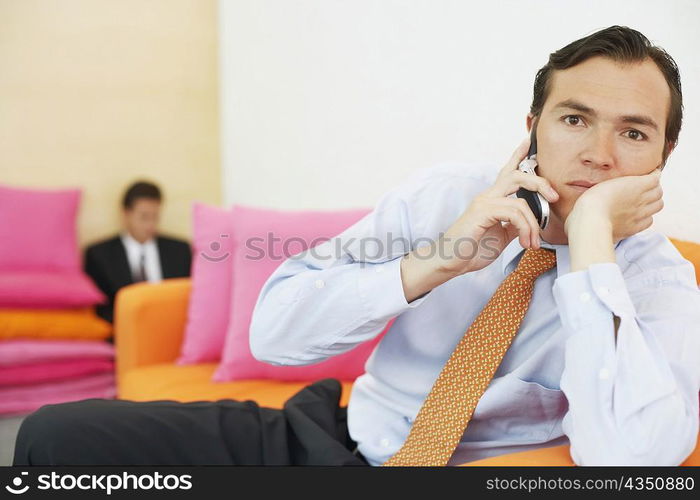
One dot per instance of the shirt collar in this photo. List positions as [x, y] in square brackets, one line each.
[514, 249]
[130, 242]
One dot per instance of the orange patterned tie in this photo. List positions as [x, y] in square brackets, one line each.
[446, 411]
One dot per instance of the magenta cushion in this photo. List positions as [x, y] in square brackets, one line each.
[52, 370]
[38, 229]
[27, 398]
[26, 351]
[250, 274]
[46, 289]
[210, 298]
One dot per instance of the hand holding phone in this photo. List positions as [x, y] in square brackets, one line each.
[536, 202]
[495, 217]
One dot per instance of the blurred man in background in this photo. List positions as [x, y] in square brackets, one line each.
[138, 253]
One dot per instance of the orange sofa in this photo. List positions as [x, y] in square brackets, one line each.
[149, 327]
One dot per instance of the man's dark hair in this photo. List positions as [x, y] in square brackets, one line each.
[138, 190]
[623, 45]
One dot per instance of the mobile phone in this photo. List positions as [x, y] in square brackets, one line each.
[537, 203]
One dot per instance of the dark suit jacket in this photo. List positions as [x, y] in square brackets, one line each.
[108, 266]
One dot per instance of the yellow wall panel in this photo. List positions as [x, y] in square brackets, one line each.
[98, 93]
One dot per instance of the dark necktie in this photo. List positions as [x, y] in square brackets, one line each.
[140, 274]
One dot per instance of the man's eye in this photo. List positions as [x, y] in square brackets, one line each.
[634, 134]
[575, 117]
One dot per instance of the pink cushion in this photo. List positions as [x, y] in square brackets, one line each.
[19, 351]
[38, 229]
[27, 398]
[210, 298]
[250, 274]
[52, 370]
[48, 289]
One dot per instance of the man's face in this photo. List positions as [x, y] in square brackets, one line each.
[600, 143]
[141, 220]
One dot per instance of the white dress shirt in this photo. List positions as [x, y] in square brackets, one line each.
[564, 380]
[149, 250]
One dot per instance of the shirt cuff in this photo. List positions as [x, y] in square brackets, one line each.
[381, 289]
[589, 296]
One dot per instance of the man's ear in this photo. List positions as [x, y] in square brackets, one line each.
[528, 122]
[123, 215]
[670, 147]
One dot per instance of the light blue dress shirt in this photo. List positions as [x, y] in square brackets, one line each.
[564, 379]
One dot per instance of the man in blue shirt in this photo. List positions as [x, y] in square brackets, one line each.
[606, 359]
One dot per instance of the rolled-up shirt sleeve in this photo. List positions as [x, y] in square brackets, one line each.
[633, 396]
[330, 298]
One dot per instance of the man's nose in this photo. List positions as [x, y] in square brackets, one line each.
[600, 149]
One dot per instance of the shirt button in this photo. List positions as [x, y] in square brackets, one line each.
[319, 284]
[585, 297]
[384, 443]
[604, 374]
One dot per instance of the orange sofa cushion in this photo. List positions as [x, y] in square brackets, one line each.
[193, 383]
[76, 323]
[554, 456]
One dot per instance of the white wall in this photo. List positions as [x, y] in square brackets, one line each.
[328, 103]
